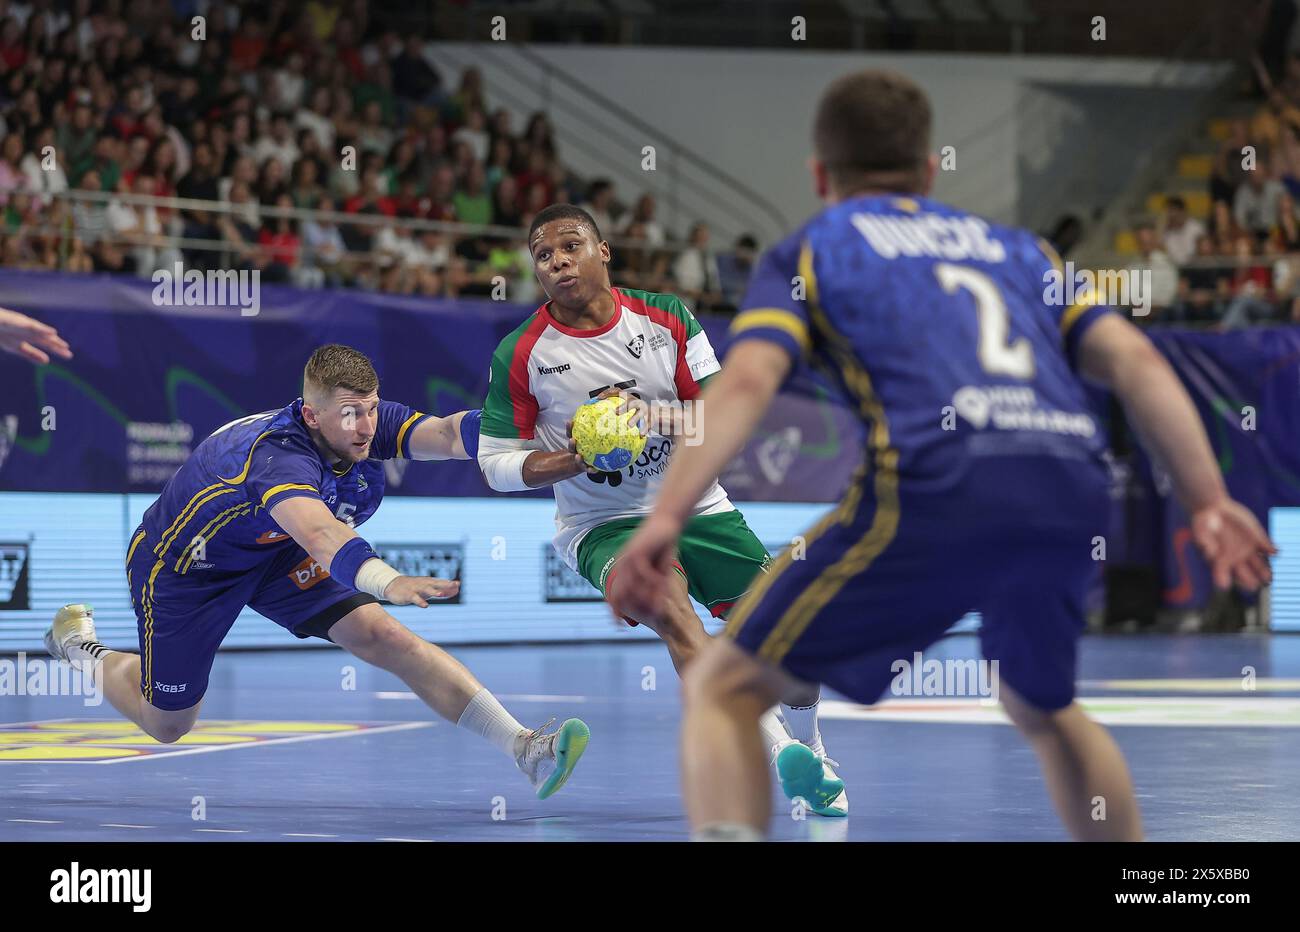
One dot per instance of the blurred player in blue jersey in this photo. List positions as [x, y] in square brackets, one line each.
[982, 485]
[263, 514]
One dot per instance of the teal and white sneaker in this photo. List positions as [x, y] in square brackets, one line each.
[808, 774]
[547, 760]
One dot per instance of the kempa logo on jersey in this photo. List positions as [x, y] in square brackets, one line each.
[554, 370]
[106, 885]
[13, 577]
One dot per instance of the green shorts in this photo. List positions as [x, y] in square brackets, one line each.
[718, 556]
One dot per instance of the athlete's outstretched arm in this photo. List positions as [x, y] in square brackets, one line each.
[439, 438]
[515, 465]
[1119, 356]
[348, 558]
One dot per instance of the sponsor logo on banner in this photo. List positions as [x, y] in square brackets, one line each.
[154, 451]
[441, 561]
[15, 573]
[561, 584]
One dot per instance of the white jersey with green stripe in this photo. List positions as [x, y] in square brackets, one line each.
[653, 347]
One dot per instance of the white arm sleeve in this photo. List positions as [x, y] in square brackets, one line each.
[502, 462]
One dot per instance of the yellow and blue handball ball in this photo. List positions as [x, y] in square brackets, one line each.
[606, 438]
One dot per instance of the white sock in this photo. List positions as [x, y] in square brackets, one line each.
[87, 654]
[802, 722]
[774, 732]
[488, 718]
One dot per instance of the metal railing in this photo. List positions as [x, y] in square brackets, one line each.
[66, 221]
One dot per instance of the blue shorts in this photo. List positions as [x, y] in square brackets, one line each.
[182, 620]
[886, 573]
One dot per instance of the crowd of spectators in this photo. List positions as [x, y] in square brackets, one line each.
[291, 105]
[1242, 265]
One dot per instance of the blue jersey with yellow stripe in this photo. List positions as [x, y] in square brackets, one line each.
[214, 514]
[937, 325]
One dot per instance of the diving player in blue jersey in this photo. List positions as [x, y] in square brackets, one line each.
[982, 485]
[263, 514]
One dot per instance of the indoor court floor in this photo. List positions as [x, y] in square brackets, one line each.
[285, 751]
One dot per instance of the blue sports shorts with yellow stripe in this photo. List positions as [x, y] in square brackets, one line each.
[888, 572]
[182, 619]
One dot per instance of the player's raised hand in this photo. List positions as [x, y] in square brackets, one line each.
[420, 590]
[1234, 544]
[639, 588]
[30, 339]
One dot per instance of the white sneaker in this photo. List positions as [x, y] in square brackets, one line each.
[73, 625]
[548, 760]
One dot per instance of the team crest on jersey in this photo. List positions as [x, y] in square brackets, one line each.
[636, 345]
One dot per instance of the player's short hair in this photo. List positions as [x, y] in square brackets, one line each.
[335, 366]
[872, 130]
[561, 212]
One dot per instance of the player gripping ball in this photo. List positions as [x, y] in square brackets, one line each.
[607, 434]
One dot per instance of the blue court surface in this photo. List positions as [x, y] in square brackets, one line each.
[285, 752]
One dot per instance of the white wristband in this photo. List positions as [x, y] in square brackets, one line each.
[374, 577]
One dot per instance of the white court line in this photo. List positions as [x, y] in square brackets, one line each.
[168, 755]
[122, 825]
[224, 831]
[306, 835]
[510, 697]
[36, 821]
[403, 839]
[39, 721]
